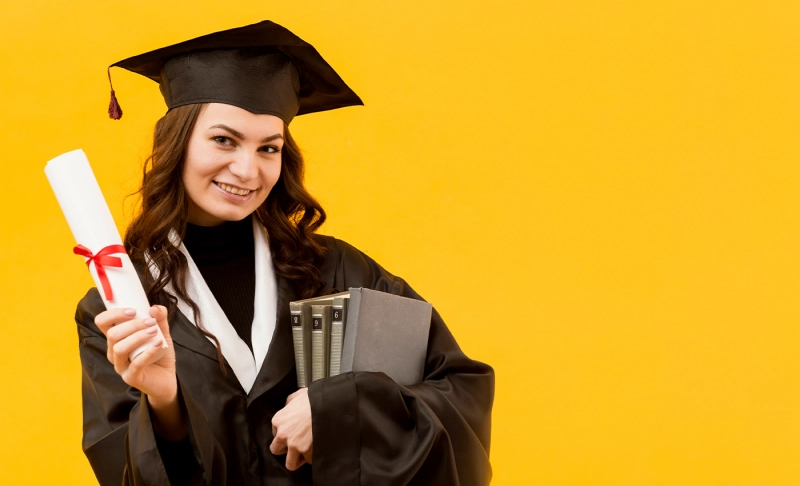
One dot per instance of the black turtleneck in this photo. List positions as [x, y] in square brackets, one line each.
[225, 256]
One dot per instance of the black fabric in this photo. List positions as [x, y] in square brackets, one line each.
[239, 77]
[246, 67]
[225, 256]
[367, 429]
[178, 459]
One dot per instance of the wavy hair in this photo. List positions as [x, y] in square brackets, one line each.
[290, 214]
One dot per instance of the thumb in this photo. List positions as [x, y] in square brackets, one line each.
[159, 313]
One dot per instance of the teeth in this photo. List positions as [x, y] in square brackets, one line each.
[233, 190]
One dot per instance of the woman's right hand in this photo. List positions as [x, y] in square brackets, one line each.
[124, 334]
[153, 377]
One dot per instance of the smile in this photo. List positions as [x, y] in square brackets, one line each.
[233, 189]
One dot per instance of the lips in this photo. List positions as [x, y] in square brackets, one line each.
[235, 190]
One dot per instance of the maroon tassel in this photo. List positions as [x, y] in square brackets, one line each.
[114, 110]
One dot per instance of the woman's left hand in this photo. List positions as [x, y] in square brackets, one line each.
[291, 427]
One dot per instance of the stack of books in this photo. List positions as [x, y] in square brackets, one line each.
[360, 330]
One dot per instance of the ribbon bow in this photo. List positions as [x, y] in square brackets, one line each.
[101, 260]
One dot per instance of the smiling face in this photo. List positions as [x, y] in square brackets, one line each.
[232, 162]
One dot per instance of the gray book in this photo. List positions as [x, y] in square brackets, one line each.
[320, 340]
[387, 333]
[338, 315]
[301, 335]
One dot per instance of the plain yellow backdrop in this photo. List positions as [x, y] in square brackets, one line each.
[598, 196]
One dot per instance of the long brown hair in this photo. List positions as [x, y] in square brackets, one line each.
[290, 214]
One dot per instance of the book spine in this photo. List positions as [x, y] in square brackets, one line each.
[299, 344]
[317, 340]
[320, 340]
[326, 334]
[338, 312]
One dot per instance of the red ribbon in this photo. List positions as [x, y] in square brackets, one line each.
[101, 260]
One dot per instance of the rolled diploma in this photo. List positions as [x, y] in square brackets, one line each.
[92, 225]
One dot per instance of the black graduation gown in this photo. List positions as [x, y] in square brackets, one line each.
[366, 428]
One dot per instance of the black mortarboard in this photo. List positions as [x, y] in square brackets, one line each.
[262, 68]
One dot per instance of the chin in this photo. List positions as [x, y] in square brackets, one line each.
[219, 213]
[229, 214]
[237, 216]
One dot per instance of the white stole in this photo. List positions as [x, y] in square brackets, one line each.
[245, 364]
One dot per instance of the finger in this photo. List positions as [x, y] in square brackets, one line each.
[141, 361]
[276, 421]
[122, 349]
[159, 313]
[294, 459]
[296, 394]
[122, 331]
[125, 329]
[108, 319]
[278, 446]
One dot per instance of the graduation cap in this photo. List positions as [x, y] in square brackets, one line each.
[263, 68]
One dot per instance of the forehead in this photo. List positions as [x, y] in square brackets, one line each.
[247, 123]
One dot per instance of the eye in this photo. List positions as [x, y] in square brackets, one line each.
[222, 140]
[270, 149]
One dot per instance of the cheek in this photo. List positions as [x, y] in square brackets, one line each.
[192, 181]
[269, 177]
[272, 174]
[276, 173]
[199, 171]
[189, 182]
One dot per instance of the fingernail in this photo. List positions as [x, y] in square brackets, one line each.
[150, 322]
[151, 330]
[130, 312]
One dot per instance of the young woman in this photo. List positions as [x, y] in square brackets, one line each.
[225, 239]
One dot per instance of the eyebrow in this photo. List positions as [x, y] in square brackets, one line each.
[238, 135]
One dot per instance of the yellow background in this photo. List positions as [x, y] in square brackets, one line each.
[598, 196]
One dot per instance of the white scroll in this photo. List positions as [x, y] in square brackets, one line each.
[98, 239]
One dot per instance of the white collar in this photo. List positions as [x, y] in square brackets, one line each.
[245, 364]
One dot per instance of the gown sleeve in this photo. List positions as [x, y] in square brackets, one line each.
[118, 436]
[370, 430]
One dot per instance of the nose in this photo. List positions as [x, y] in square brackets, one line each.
[244, 166]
